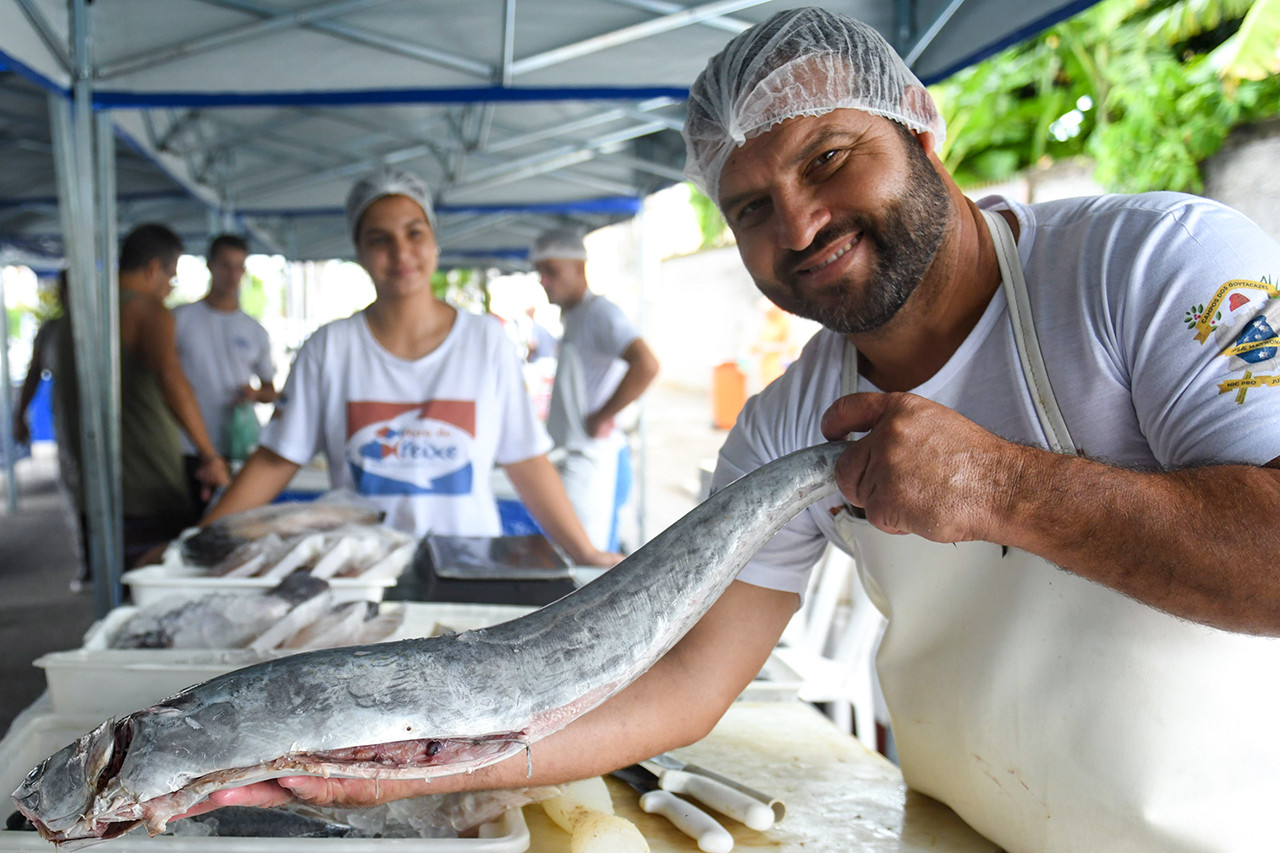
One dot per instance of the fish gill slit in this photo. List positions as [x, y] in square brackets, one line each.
[122, 736]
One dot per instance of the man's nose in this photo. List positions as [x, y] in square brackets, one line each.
[799, 218]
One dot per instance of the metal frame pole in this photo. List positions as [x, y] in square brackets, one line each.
[7, 409]
[81, 159]
[106, 219]
[648, 264]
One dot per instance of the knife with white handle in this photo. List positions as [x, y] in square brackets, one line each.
[685, 816]
[689, 819]
[753, 808]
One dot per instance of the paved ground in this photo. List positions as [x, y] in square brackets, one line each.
[681, 439]
[39, 613]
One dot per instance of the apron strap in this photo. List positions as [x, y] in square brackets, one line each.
[1024, 336]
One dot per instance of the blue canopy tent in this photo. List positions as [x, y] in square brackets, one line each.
[519, 113]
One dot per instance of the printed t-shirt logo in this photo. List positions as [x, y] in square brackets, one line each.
[411, 448]
[1241, 318]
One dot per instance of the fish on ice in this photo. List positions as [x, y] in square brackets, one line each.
[420, 708]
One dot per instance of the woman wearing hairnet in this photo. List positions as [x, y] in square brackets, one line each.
[411, 401]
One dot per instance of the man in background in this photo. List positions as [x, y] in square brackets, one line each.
[604, 366]
[222, 350]
[156, 401]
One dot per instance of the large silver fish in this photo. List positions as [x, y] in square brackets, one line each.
[419, 708]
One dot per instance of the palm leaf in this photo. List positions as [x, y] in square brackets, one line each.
[1253, 53]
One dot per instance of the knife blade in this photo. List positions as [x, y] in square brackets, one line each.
[745, 804]
[686, 817]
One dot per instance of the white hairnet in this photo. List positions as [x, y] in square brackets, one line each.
[384, 182]
[566, 243]
[801, 62]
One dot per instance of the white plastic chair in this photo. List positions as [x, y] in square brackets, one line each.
[831, 643]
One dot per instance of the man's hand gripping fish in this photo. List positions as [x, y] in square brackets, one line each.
[419, 708]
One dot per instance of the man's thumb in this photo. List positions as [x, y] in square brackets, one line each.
[853, 413]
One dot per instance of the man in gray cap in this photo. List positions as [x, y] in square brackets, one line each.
[603, 366]
[1072, 660]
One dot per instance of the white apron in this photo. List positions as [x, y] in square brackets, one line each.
[1052, 713]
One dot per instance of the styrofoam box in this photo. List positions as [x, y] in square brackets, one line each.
[37, 733]
[97, 679]
[152, 583]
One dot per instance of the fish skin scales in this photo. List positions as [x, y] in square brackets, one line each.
[483, 695]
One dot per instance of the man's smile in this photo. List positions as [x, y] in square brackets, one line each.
[824, 258]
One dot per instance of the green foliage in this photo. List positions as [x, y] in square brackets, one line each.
[1130, 83]
[253, 296]
[1253, 53]
[465, 288]
[715, 231]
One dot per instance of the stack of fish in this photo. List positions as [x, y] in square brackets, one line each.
[297, 615]
[331, 538]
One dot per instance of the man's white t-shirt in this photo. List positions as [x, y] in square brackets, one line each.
[596, 333]
[220, 352]
[1152, 311]
[420, 438]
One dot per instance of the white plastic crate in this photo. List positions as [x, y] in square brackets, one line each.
[152, 583]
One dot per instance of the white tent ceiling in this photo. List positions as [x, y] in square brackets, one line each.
[520, 113]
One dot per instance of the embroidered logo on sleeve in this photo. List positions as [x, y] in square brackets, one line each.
[411, 449]
[1242, 318]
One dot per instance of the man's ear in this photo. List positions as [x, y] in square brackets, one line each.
[927, 141]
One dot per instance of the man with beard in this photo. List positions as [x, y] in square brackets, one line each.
[1059, 493]
[1032, 389]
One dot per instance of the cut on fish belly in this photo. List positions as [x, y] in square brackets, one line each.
[420, 708]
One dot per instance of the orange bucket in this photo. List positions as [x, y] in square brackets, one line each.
[728, 394]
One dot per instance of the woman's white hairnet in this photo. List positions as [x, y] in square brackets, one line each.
[382, 183]
[801, 62]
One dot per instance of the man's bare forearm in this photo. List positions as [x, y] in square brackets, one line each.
[1197, 543]
[642, 369]
[182, 402]
[264, 475]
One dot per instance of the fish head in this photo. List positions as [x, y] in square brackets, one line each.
[59, 793]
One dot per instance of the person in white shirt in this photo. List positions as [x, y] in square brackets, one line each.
[411, 401]
[222, 349]
[603, 366]
[1059, 490]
